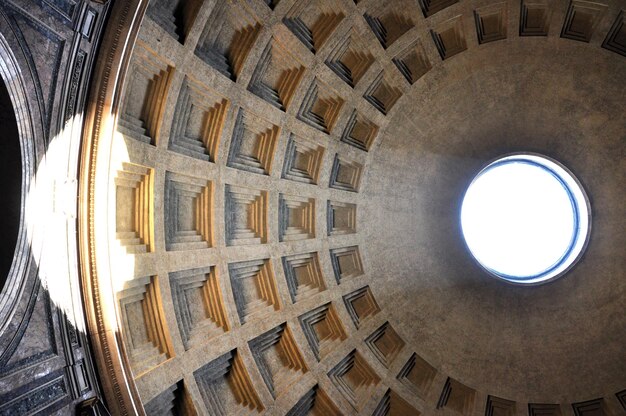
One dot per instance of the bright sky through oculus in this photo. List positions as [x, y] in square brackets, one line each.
[520, 219]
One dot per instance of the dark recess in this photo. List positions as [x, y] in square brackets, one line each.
[10, 182]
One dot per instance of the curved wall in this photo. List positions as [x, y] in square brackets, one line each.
[47, 52]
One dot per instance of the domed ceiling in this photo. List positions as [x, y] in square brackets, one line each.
[275, 217]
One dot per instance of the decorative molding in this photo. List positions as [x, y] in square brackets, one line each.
[254, 289]
[457, 397]
[621, 397]
[77, 74]
[64, 9]
[303, 160]
[320, 107]
[145, 332]
[413, 62]
[535, 17]
[253, 143]
[198, 121]
[246, 222]
[314, 402]
[296, 217]
[394, 405]
[430, 7]
[346, 262]
[615, 39]
[385, 344]
[304, 275]
[382, 94]
[188, 212]
[225, 380]
[418, 375]
[115, 375]
[313, 21]
[497, 406]
[198, 305]
[582, 19]
[539, 409]
[323, 329]
[345, 174]
[277, 76]
[355, 379]
[134, 208]
[37, 306]
[449, 37]
[228, 37]
[176, 18]
[491, 22]
[361, 305]
[390, 24]
[278, 359]
[359, 132]
[149, 78]
[172, 401]
[44, 395]
[341, 218]
[590, 408]
[350, 60]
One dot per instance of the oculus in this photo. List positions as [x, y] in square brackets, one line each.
[525, 219]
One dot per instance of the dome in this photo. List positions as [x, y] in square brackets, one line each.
[269, 208]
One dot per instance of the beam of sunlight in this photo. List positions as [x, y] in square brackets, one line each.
[122, 263]
[50, 217]
[115, 266]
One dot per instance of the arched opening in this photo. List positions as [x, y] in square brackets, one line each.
[10, 182]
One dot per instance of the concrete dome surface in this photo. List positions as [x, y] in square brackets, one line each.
[269, 195]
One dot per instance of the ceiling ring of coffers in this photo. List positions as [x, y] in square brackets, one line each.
[124, 24]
